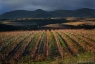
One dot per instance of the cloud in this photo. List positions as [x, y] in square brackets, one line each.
[9, 5]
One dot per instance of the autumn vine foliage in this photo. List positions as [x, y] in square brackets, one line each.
[45, 45]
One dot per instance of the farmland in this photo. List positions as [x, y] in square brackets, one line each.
[48, 46]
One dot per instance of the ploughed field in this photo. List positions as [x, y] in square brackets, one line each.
[48, 46]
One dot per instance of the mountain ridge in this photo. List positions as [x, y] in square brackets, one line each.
[39, 13]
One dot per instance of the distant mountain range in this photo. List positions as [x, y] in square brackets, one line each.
[39, 13]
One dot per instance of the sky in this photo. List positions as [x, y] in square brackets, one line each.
[48, 5]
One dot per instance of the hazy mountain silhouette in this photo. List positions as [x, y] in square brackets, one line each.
[85, 12]
[39, 13]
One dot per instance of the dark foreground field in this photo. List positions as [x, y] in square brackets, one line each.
[66, 46]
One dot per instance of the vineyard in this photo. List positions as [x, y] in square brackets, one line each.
[48, 46]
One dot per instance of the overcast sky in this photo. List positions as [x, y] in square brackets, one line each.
[48, 5]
